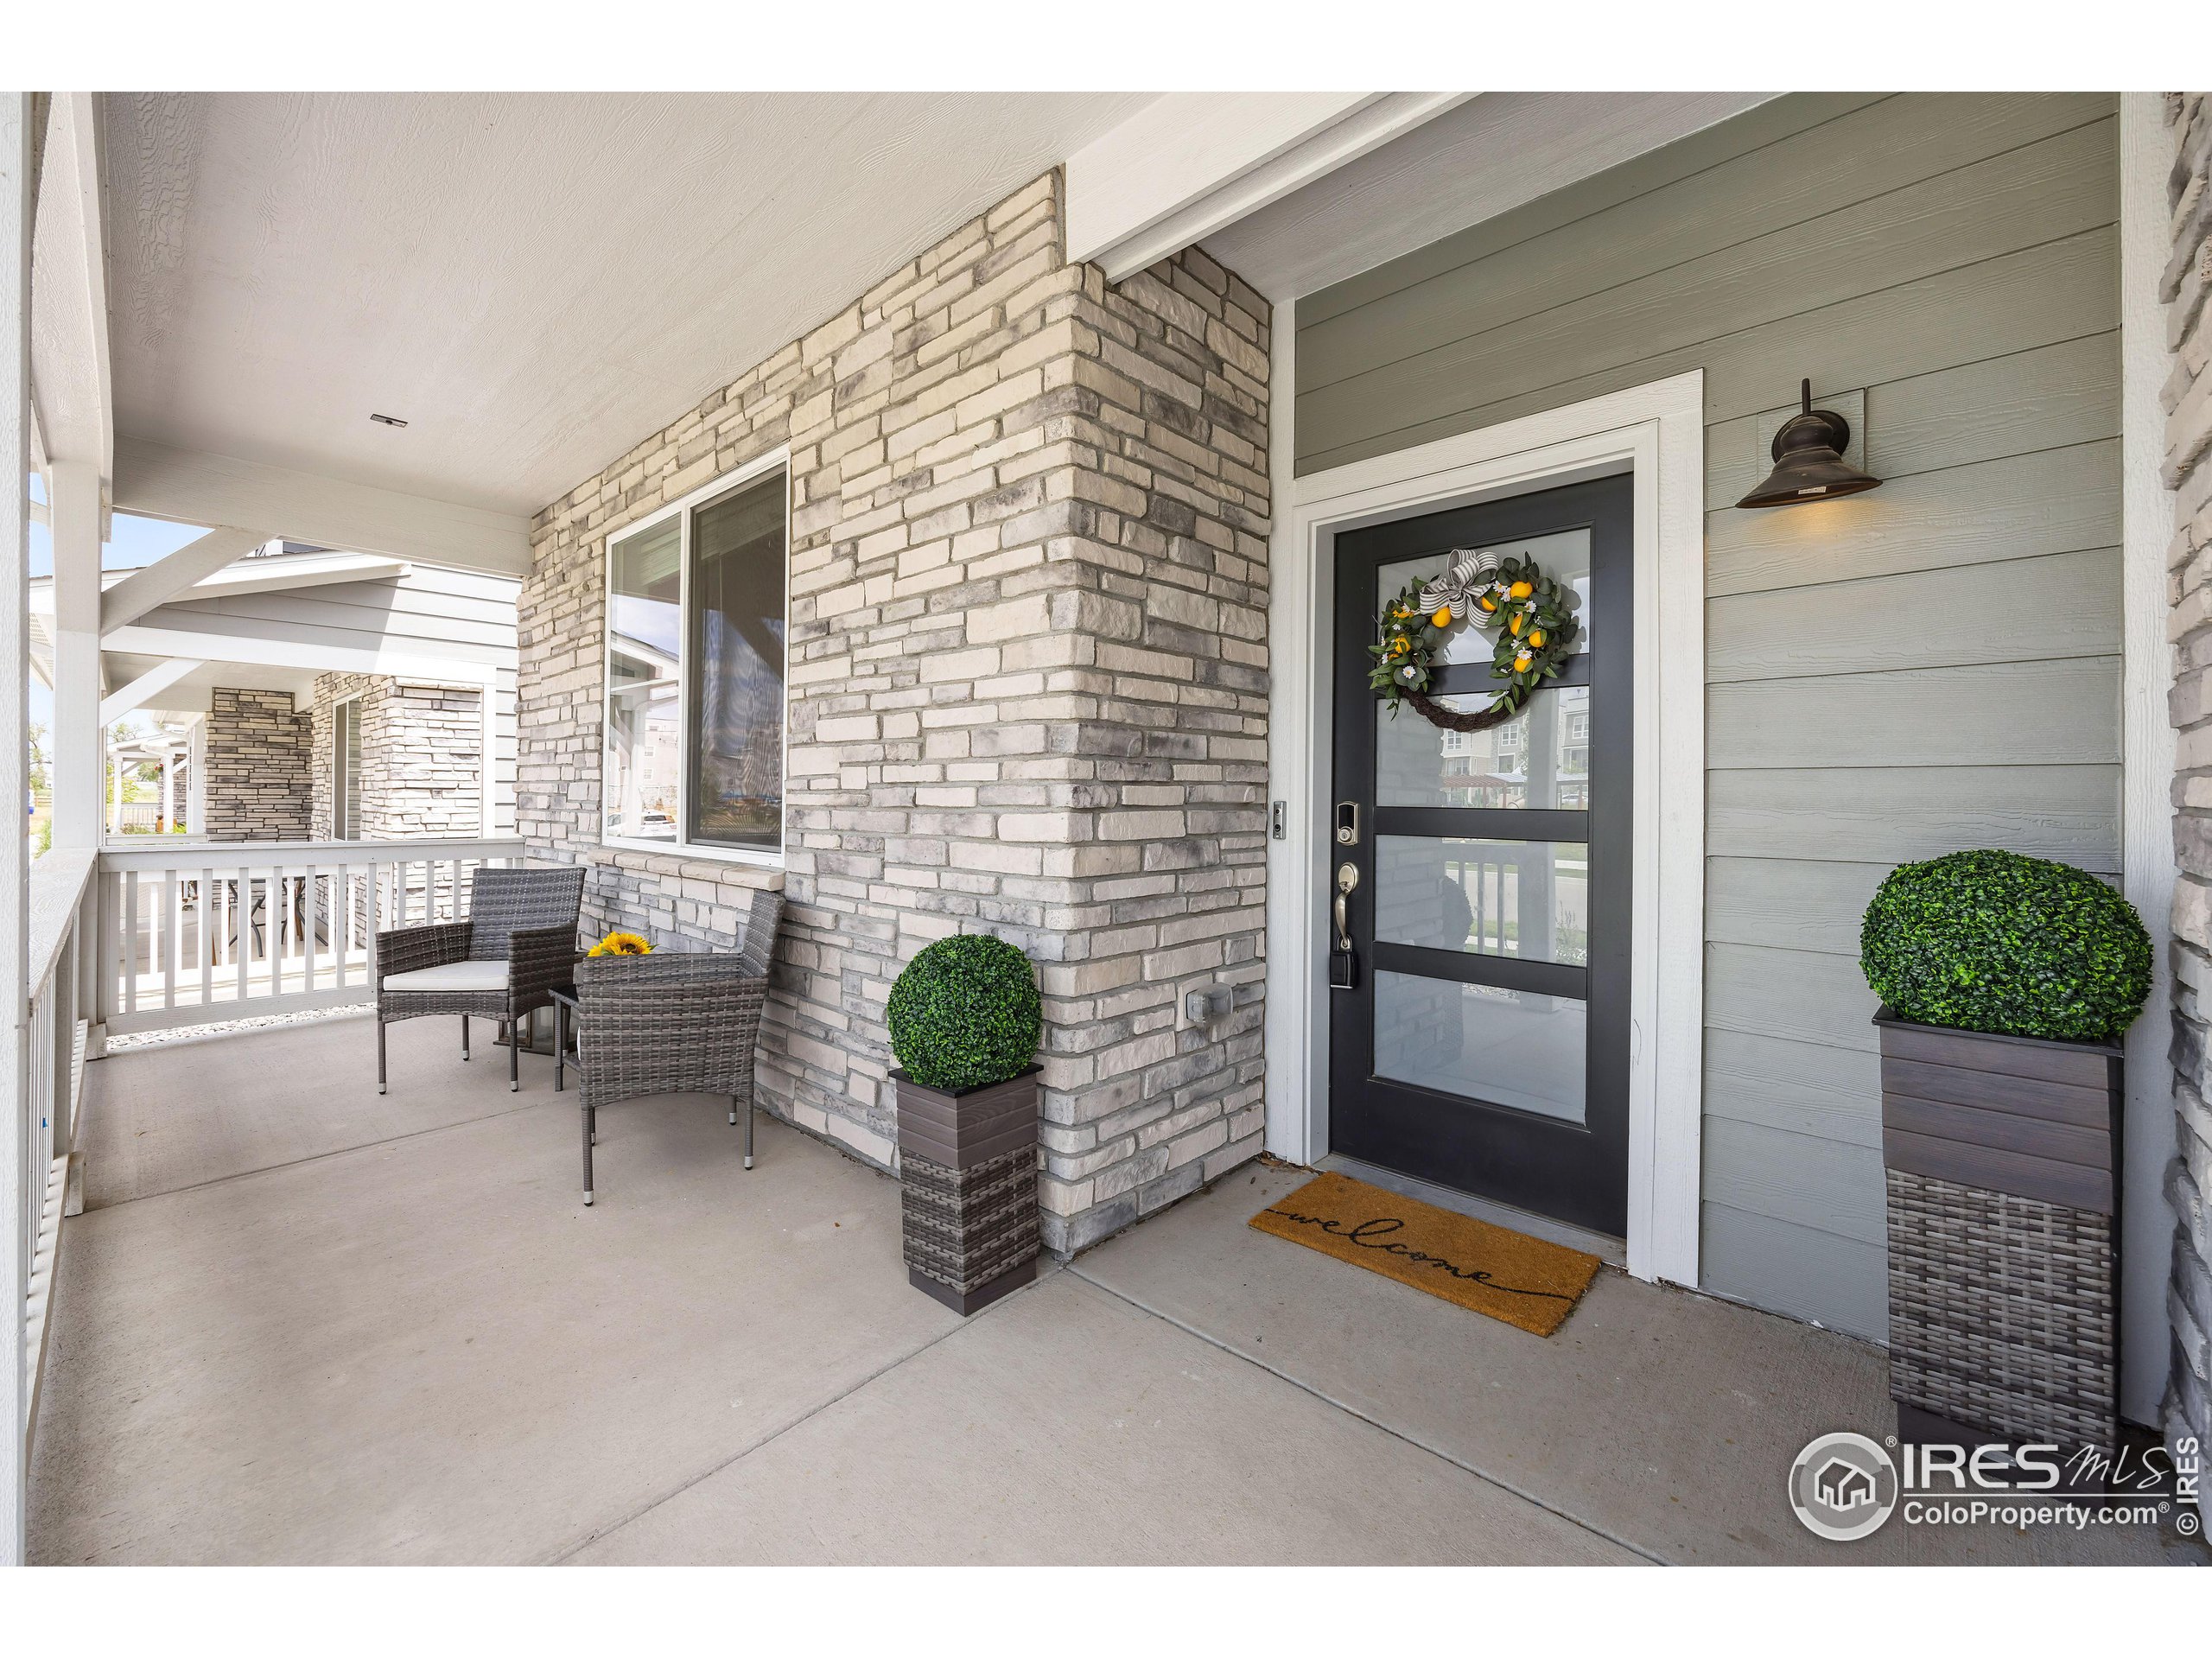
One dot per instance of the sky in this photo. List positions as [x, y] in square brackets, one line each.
[137, 541]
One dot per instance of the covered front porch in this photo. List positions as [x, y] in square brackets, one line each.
[385, 1330]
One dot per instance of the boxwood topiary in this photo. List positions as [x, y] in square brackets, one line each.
[1992, 941]
[965, 1013]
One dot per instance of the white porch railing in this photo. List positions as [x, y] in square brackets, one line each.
[199, 932]
[60, 907]
[143, 937]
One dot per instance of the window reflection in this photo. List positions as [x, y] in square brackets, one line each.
[1510, 1048]
[1525, 899]
[1539, 759]
[736, 668]
[644, 739]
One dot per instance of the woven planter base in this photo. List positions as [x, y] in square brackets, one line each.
[2003, 1173]
[967, 1185]
[2001, 1311]
[966, 1227]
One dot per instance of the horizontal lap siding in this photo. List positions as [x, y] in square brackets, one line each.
[1932, 666]
[429, 611]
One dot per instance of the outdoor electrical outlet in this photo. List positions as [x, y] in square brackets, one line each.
[1200, 1006]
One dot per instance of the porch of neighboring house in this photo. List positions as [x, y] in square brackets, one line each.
[139, 803]
[386, 1332]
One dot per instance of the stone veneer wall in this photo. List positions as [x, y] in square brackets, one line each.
[422, 756]
[257, 786]
[2188, 471]
[1027, 680]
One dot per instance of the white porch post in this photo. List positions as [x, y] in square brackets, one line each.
[195, 775]
[16, 1189]
[79, 742]
[169, 790]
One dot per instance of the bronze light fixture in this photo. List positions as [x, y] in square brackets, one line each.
[1809, 463]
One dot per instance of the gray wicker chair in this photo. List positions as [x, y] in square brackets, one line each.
[518, 942]
[674, 1023]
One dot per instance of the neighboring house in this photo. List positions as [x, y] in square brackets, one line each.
[268, 669]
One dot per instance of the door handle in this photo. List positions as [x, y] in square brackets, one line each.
[1343, 965]
[1347, 879]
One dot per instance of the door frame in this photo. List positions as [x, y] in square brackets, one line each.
[1654, 432]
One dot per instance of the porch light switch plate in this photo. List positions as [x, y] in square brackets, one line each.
[1851, 405]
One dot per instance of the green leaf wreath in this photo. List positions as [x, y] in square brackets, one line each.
[1531, 615]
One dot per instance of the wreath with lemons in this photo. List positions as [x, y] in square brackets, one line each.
[1531, 614]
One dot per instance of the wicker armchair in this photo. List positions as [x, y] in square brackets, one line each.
[674, 1023]
[518, 942]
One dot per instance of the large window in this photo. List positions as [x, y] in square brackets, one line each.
[694, 672]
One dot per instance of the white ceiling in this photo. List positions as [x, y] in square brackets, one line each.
[534, 281]
[1473, 163]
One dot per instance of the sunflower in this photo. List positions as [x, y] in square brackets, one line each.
[621, 944]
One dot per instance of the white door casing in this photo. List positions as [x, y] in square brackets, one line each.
[1656, 433]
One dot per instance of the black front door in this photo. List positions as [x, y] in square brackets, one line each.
[1483, 1043]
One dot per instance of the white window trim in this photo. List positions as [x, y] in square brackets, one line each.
[759, 466]
[2147, 751]
[1654, 432]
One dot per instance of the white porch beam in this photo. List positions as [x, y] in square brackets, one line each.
[138, 641]
[144, 689]
[165, 578]
[75, 487]
[1190, 164]
[296, 570]
[70, 375]
[19, 1184]
[192, 487]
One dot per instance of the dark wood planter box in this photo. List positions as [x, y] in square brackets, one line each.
[968, 1179]
[2002, 1157]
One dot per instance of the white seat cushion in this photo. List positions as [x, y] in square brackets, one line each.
[451, 976]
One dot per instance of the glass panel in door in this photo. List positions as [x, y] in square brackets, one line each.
[1518, 1049]
[1525, 899]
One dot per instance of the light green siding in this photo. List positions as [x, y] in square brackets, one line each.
[1932, 666]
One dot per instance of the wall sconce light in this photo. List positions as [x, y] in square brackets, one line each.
[1809, 463]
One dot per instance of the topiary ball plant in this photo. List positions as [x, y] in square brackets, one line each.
[965, 1013]
[1992, 941]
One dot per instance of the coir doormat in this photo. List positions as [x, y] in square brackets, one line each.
[1526, 1281]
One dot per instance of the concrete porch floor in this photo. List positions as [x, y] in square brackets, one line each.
[303, 1323]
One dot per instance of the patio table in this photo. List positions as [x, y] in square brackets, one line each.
[564, 1034]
